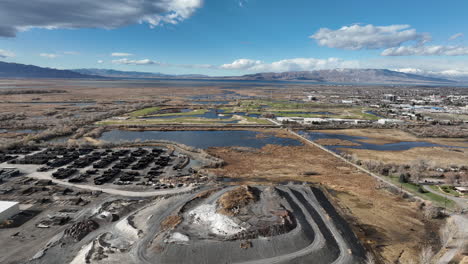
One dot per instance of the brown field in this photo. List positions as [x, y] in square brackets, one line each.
[334, 142]
[390, 225]
[439, 157]
[385, 136]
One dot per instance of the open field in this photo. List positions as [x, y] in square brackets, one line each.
[385, 136]
[302, 109]
[357, 194]
[151, 227]
[438, 157]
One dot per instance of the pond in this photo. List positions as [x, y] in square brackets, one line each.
[210, 114]
[375, 114]
[404, 145]
[203, 139]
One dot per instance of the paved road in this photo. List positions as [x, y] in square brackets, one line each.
[461, 202]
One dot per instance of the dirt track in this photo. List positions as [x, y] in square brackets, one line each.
[320, 236]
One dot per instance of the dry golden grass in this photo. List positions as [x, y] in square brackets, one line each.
[334, 142]
[387, 223]
[385, 136]
[232, 201]
[171, 222]
[439, 157]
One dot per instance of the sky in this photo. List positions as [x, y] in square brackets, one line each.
[233, 37]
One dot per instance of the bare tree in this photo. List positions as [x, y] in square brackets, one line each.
[417, 169]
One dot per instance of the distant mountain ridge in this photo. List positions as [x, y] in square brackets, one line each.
[16, 70]
[369, 76]
[347, 76]
[133, 74]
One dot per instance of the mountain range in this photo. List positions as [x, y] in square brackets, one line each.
[349, 76]
[133, 74]
[371, 76]
[16, 70]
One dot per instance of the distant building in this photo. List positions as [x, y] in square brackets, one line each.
[389, 121]
[390, 97]
[462, 190]
[8, 209]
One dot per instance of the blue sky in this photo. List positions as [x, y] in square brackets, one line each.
[230, 37]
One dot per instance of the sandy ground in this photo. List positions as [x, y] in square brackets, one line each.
[393, 227]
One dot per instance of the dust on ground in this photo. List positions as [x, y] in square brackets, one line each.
[390, 225]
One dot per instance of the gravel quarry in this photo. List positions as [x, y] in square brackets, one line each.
[235, 224]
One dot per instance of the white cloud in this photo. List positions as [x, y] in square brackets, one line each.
[241, 64]
[242, 3]
[134, 62]
[456, 36]
[100, 61]
[71, 53]
[48, 55]
[121, 54]
[431, 50]
[296, 64]
[357, 37]
[6, 54]
[17, 16]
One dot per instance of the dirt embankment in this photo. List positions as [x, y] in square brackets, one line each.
[390, 225]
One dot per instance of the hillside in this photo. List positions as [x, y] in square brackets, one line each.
[16, 70]
[348, 76]
[133, 74]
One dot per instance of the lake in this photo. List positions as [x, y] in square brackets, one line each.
[203, 139]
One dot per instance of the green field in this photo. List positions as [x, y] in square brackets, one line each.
[445, 189]
[145, 111]
[182, 120]
[194, 112]
[413, 188]
[288, 109]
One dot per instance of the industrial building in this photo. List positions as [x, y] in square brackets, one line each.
[8, 209]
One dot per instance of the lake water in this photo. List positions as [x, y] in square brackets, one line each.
[375, 114]
[404, 145]
[203, 139]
